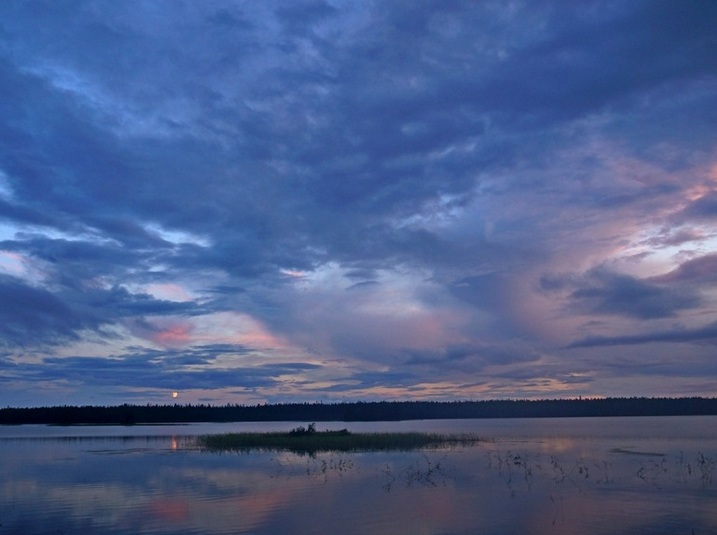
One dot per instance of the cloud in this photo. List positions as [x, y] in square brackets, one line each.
[166, 369]
[706, 334]
[704, 207]
[671, 238]
[35, 316]
[697, 270]
[413, 191]
[603, 292]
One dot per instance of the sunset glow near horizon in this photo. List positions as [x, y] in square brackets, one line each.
[252, 202]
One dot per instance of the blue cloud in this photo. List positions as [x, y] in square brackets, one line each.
[223, 173]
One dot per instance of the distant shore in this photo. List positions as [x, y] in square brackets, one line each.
[358, 411]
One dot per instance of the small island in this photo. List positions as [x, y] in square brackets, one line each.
[308, 440]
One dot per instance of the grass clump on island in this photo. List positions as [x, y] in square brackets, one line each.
[309, 440]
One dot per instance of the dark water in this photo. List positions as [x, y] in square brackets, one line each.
[552, 476]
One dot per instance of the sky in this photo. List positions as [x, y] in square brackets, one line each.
[323, 201]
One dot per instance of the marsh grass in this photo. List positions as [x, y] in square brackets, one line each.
[310, 441]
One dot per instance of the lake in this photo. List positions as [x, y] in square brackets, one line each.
[632, 475]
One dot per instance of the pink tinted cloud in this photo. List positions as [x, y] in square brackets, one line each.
[166, 333]
[176, 335]
[169, 292]
[235, 328]
[12, 263]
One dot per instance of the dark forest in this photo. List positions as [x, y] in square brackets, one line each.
[359, 411]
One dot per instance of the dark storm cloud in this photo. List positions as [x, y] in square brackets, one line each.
[123, 303]
[706, 334]
[703, 208]
[392, 178]
[24, 215]
[32, 316]
[604, 292]
[473, 358]
[603, 59]
[565, 62]
[483, 291]
[75, 259]
[702, 269]
[161, 369]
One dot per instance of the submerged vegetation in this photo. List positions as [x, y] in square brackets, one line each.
[310, 441]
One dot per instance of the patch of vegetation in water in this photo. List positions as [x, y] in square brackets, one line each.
[307, 440]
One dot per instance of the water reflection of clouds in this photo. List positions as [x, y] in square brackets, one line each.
[171, 510]
[541, 486]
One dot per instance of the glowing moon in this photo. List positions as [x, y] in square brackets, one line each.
[175, 394]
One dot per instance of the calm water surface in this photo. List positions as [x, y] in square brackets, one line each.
[543, 476]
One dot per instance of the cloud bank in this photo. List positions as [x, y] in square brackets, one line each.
[338, 200]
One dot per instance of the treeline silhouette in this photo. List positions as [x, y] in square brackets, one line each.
[359, 411]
